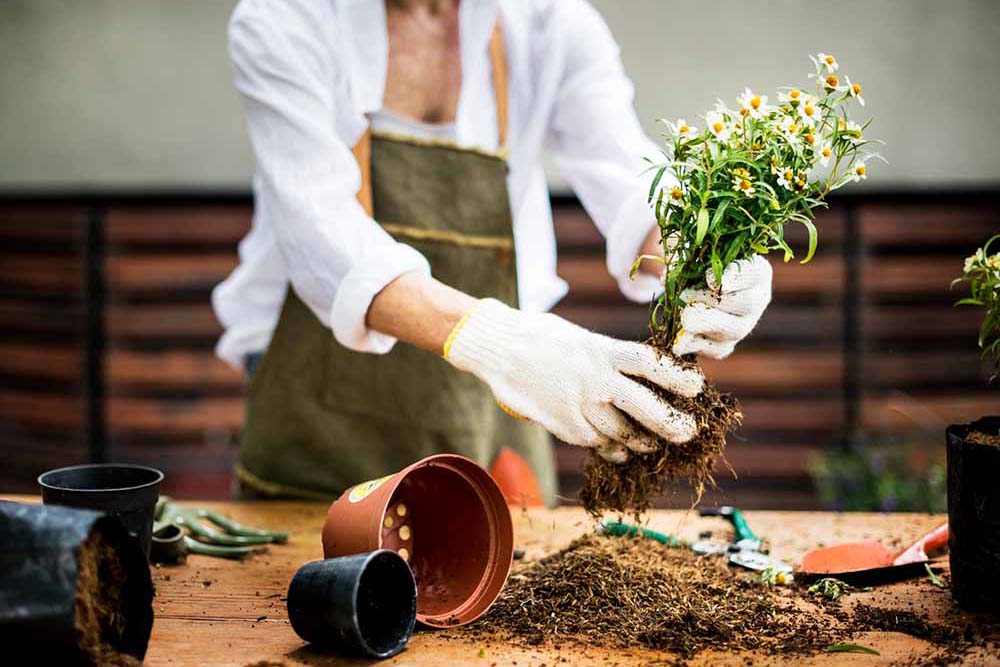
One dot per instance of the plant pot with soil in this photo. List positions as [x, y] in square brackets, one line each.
[974, 460]
[721, 197]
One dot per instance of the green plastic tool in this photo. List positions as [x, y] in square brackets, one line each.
[619, 529]
[171, 544]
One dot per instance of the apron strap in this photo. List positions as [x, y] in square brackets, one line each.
[498, 61]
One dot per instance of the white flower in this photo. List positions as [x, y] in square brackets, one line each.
[831, 82]
[741, 181]
[859, 173]
[970, 263]
[786, 179]
[676, 193]
[717, 125]
[808, 111]
[793, 96]
[752, 105]
[994, 261]
[828, 61]
[854, 90]
[790, 130]
[682, 129]
[824, 153]
[853, 131]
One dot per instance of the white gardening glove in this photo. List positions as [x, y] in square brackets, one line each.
[715, 320]
[572, 381]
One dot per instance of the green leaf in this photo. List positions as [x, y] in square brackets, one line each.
[719, 212]
[933, 577]
[717, 268]
[808, 224]
[656, 181]
[702, 226]
[851, 648]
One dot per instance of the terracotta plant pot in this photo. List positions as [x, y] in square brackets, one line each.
[447, 518]
[974, 516]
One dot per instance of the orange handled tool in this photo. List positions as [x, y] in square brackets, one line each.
[872, 559]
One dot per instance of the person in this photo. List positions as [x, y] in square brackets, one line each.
[401, 259]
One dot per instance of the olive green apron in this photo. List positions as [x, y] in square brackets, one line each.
[321, 417]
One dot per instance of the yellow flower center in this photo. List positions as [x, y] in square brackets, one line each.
[827, 152]
[794, 95]
[676, 194]
[755, 102]
[830, 60]
[860, 170]
[832, 81]
[717, 127]
[809, 110]
[856, 88]
[810, 139]
[841, 124]
[744, 111]
[745, 184]
[793, 128]
[683, 129]
[789, 175]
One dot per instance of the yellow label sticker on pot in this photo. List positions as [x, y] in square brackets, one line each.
[365, 489]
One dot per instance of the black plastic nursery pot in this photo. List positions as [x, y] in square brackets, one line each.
[974, 515]
[126, 491]
[363, 605]
[75, 588]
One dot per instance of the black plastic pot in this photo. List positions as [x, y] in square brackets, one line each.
[974, 516]
[126, 491]
[39, 570]
[364, 604]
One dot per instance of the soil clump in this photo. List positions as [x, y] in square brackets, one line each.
[630, 487]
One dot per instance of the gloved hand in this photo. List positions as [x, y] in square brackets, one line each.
[572, 381]
[715, 320]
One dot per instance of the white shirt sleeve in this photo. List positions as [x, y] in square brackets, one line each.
[600, 146]
[338, 258]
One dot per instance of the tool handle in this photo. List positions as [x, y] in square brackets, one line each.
[733, 515]
[916, 552]
[617, 529]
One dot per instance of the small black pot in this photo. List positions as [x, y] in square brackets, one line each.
[364, 604]
[974, 516]
[39, 573]
[126, 491]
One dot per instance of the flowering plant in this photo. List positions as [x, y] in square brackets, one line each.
[751, 171]
[982, 272]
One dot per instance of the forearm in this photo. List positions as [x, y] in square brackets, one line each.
[419, 310]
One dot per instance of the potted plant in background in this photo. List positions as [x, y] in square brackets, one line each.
[974, 458]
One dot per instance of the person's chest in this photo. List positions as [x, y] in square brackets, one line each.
[424, 73]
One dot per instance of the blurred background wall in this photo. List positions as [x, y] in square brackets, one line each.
[124, 173]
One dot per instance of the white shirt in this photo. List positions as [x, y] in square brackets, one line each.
[310, 70]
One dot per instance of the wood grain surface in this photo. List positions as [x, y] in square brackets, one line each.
[218, 613]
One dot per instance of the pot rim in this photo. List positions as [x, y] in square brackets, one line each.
[157, 477]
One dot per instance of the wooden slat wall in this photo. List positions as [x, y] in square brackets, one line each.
[170, 403]
[42, 338]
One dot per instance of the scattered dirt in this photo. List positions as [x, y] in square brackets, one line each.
[981, 438]
[628, 593]
[100, 622]
[630, 487]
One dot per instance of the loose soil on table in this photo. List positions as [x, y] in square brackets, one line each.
[630, 487]
[635, 593]
[99, 619]
[981, 438]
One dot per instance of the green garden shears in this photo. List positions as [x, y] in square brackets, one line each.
[178, 531]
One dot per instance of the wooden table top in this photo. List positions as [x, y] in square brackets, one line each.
[221, 613]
